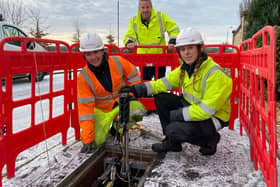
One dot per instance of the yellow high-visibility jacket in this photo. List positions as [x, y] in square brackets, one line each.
[211, 97]
[154, 34]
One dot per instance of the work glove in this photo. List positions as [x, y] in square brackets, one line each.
[176, 115]
[138, 90]
[88, 148]
[127, 89]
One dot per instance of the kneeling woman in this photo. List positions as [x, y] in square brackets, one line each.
[204, 105]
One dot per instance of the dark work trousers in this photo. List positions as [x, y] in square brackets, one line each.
[195, 132]
[149, 72]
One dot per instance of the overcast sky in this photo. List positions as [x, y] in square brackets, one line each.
[213, 18]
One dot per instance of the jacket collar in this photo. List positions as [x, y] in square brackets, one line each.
[190, 68]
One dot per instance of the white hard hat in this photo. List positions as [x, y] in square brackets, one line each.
[90, 42]
[189, 36]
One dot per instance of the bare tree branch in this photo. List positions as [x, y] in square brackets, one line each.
[38, 25]
[110, 39]
[14, 12]
[244, 6]
[78, 31]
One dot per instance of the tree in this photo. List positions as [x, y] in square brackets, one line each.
[244, 6]
[13, 12]
[78, 31]
[38, 23]
[110, 39]
[261, 13]
[277, 29]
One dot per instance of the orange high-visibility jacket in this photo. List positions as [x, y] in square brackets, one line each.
[91, 93]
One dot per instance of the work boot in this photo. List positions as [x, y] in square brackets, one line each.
[166, 146]
[211, 147]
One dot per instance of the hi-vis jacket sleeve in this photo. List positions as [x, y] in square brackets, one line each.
[170, 82]
[130, 34]
[170, 26]
[86, 104]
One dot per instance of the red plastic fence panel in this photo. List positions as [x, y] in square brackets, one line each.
[70, 62]
[255, 67]
[227, 56]
[257, 100]
[25, 61]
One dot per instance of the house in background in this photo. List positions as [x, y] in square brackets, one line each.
[238, 34]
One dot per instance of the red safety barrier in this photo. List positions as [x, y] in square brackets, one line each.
[30, 62]
[257, 100]
[252, 70]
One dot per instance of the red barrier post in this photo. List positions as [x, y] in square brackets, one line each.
[31, 62]
[257, 95]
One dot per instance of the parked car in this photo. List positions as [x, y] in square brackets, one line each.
[9, 30]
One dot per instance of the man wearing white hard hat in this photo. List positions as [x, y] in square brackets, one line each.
[203, 107]
[98, 90]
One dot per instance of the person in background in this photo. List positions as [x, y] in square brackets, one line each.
[148, 27]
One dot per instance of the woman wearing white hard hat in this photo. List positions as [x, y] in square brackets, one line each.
[203, 107]
[98, 89]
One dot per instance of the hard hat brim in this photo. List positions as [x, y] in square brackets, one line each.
[92, 49]
[189, 43]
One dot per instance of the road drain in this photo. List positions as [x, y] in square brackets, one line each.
[105, 164]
